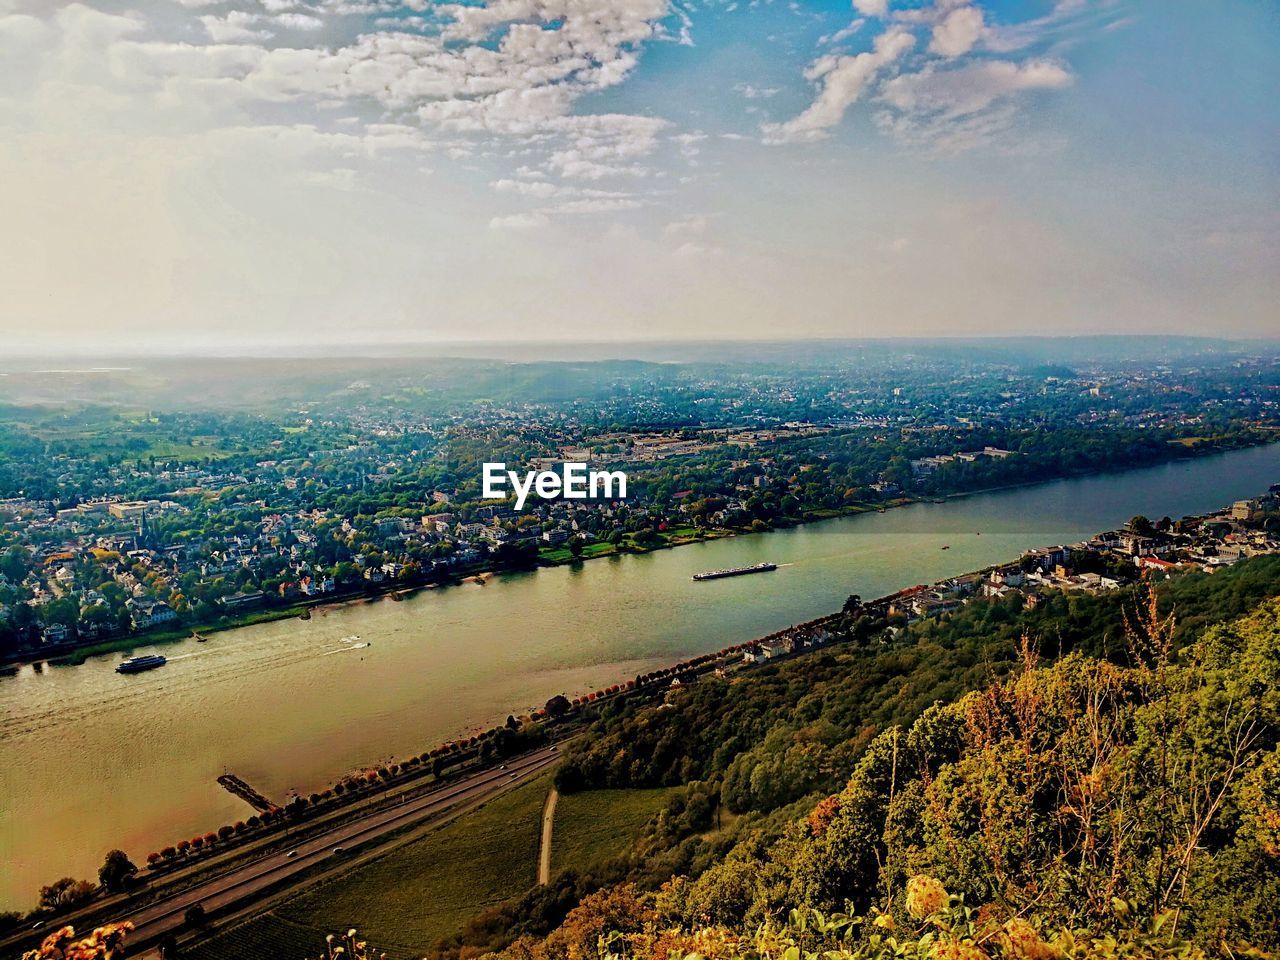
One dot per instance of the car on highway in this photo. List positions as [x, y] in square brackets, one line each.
[291, 854]
[338, 850]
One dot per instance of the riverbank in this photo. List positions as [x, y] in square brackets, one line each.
[75, 655]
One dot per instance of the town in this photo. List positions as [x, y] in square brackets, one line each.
[182, 520]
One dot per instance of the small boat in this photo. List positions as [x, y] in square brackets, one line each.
[147, 661]
[946, 546]
[199, 638]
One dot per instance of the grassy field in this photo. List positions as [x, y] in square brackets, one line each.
[563, 555]
[408, 899]
[597, 825]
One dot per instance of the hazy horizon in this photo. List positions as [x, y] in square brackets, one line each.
[250, 174]
[1047, 349]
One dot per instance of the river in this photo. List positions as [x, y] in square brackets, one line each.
[91, 760]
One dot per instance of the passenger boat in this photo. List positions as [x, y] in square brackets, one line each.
[147, 661]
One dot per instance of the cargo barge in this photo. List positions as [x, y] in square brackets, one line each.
[735, 571]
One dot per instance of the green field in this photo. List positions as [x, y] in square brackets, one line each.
[407, 900]
[598, 825]
[563, 555]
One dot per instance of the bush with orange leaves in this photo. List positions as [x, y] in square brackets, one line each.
[105, 943]
[952, 931]
[621, 924]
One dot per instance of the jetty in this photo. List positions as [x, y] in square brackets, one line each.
[245, 792]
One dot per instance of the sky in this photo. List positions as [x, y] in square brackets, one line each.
[210, 174]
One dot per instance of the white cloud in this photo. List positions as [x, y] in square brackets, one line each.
[235, 26]
[871, 8]
[596, 205]
[506, 69]
[528, 188]
[957, 32]
[518, 221]
[752, 92]
[963, 107]
[693, 225]
[844, 78]
[298, 21]
[543, 190]
[19, 30]
[844, 33]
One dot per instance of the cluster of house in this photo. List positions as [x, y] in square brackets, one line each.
[927, 465]
[791, 640]
[281, 552]
[1107, 561]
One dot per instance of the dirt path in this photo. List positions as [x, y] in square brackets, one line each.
[548, 823]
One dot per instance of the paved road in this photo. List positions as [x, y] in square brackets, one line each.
[548, 825]
[157, 919]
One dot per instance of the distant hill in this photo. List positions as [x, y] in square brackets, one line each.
[422, 374]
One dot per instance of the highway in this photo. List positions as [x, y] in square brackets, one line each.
[228, 889]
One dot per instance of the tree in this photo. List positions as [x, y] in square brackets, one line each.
[195, 915]
[575, 548]
[557, 706]
[1141, 525]
[65, 894]
[117, 871]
